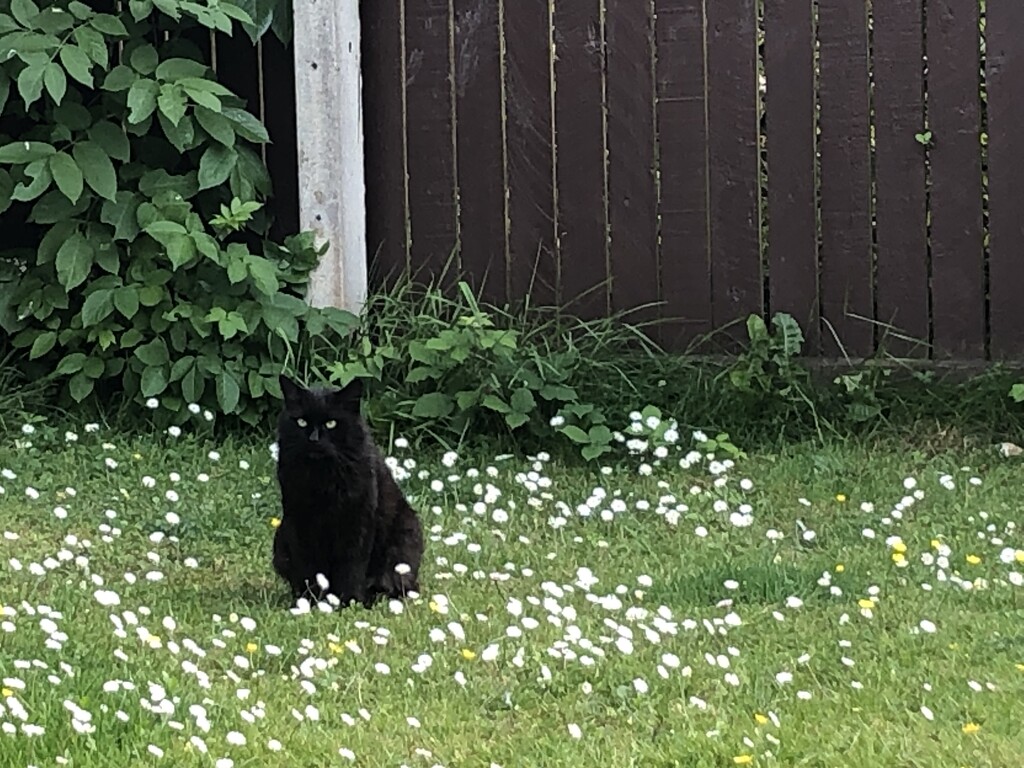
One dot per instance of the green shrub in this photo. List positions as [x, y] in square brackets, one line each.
[132, 176]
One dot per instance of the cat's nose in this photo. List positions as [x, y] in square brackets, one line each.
[314, 436]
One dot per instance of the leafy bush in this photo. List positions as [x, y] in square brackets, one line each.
[142, 264]
[449, 367]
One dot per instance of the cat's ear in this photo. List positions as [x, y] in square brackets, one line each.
[291, 390]
[350, 396]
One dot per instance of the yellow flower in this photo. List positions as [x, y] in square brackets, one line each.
[743, 759]
[936, 544]
[335, 648]
[760, 719]
[898, 557]
[840, 568]
[1020, 667]
[251, 647]
[434, 606]
[1019, 556]
[275, 522]
[970, 728]
[899, 547]
[865, 603]
[973, 559]
[468, 655]
[137, 456]
[7, 693]
[840, 497]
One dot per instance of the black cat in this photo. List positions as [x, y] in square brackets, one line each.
[344, 517]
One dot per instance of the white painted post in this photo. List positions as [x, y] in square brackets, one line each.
[329, 118]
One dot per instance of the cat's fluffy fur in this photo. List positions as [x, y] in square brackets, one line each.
[343, 515]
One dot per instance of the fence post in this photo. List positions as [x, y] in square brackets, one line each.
[328, 113]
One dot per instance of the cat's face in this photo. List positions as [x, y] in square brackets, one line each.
[322, 423]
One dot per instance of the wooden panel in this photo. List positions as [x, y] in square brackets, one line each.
[480, 147]
[282, 153]
[430, 137]
[736, 280]
[958, 273]
[581, 177]
[531, 198]
[682, 137]
[847, 275]
[900, 202]
[1005, 74]
[384, 134]
[632, 195]
[792, 204]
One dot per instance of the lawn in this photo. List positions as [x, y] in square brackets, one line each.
[827, 605]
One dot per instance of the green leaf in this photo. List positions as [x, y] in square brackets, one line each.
[154, 353]
[495, 403]
[142, 98]
[215, 166]
[228, 392]
[193, 385]
[144, 59]
[21, 152]
[71, 364]
[6, 190]
[80, 387]
[433, 405]
[575, 434]
[151, 295]
[67, 175]
[592, 451]
[39, 172]
[515, 420]
[77, 63]
[264, 275]
[97, 307]
[247, 126]
[155, 182]
[126, 300]
[178, 68]
[120, 78]
[112, 139]
[218, 126]
[94, 46]
[120, 213]
[72, 116]
[56, 82]
[172, 103]
[523, 401]
[180, 250]
[96, 167]
[24, 12]
[1017, 393]
[203, 97]
[43, 344]
[154, 381]
[30, 83]
[74, 261]
[51, 242]
[109, 24]
[5, 89]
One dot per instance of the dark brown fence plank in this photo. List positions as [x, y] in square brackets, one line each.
[957, 249]
[429, 136]
[533, 253]
[900, 203]
[632, 194]
[280, 119]
[1004, 33]
[238, 67]
[579, 125]
[736, 278]
[682, 137]
[847, 275]
[480, 147]
[384, 139]
[792, 204]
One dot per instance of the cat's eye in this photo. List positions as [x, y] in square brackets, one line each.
[331, 424]
[302, 423]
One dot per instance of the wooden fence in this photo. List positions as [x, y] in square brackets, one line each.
[712, 155]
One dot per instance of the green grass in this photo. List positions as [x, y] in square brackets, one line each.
[624, 659]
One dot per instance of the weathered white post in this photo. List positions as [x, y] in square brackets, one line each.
[329, 118]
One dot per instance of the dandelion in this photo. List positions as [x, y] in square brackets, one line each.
[840, 497]
[743, 759]
[760, 719]
[467, 654]
[973, 559]
[970, 728]
[275, 522]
